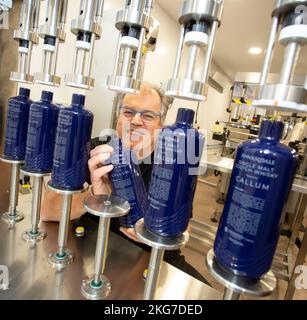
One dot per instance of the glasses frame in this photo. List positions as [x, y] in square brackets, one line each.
[141, 113]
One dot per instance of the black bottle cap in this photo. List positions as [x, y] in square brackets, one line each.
[78, 100]
[272, 130]
[24, 92]
[47, 96]
[185, 116]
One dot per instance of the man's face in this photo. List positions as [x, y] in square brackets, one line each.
[136, 130]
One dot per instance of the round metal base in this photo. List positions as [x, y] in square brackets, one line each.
[155, 241]
[241, 285]
[123, 84]
[67, 192]
[28, 236]
[107, 206]
[10, 161]
[85, 25]
[186, 89]
[61, 262]
[46, 30]
[34, 174]
[21, 77]
[79, 81]
[283, 98]
[92, 291]
[24, 35]
[9, 219]
[47, 79]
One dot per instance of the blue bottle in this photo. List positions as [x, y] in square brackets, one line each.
[72, 146]
[250, 225]
[174, 177]
[17, 126]
[41, 134]
[127, 182]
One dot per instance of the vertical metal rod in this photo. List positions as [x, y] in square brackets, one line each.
[139, 54]
[88, 67]
[63, 13]
[149, 6]
[55, 57]
[155, 262]
[269, 53]
[126, 65]
[290, 60]
[192, 59]
[118, 50]
[209, 54]
[36, 203]
[101, 248]
[231, 295]
[64, 223]
[179, 53]
[28, 59]
[15, 173]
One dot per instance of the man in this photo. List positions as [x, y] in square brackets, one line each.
[140, 116]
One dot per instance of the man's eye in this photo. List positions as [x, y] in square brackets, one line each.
[148, 117]
[128, 113]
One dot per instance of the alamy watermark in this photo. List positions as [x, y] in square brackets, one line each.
[301, 280]
[4, 19]
[4, 278]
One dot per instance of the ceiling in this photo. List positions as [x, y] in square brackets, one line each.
[245, 24]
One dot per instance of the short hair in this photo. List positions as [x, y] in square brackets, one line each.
[166, 102]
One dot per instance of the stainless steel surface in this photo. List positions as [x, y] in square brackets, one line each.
[98, 286]
[292, 53]
[139, 54]
[152, 279]
[283, 6]
[123, 84]
[179, 53]
[191, 62]
[133, 17]
[48, 79]
[79, 81]
[209, 54]
[186, 89]
[67, 192]
[241, 285]
[34, 234]
[107, 206]
[27, 30]
[13, 216]
[158, 242]
[201, 9]
[231, 295]
[269, 53]
[86, 26]
[32, 278]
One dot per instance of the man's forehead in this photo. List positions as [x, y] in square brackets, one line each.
[147, 99]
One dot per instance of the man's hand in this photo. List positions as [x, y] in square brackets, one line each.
[99, 172]
[130, 233]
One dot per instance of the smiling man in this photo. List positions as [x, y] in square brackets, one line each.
[140, 117]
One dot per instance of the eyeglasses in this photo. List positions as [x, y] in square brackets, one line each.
[146, 116]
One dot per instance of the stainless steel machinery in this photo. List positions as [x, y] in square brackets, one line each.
[199, 22]
[289, 24]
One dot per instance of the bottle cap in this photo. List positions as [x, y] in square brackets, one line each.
[78, 100]
[185, 115]
[24, 92]
[79, 231]
[271, 130]
[47, 96]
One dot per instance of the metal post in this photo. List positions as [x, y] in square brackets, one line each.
[139, 54]
[155, 262]
[36, 203]
[64, 224]
[15, 172]
[101, 248]
[179, 53]
[231, 295]
[209, 54]
[192, 59]
[269, 53]
[290, 60]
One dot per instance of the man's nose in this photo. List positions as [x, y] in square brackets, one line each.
[137, 120]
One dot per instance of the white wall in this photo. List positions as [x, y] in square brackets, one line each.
[158, 68]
